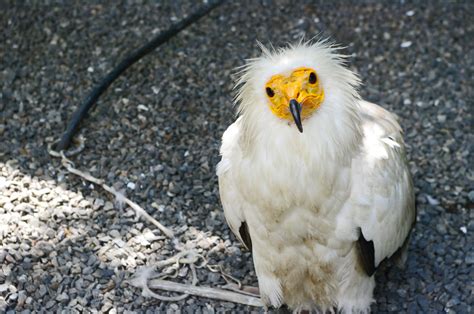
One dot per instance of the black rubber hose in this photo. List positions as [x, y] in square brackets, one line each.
[136, 55]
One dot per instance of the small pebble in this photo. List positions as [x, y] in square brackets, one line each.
[405, 44]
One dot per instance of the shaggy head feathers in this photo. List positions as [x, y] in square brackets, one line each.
[333, 128]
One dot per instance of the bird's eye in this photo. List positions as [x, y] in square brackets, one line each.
[270, 92]
[312, 78]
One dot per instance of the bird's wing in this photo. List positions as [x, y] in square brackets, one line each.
[231, 199]
[382, 200]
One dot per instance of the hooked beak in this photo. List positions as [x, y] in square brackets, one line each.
[295, 109]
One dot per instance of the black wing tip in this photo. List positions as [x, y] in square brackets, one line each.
[245, 236]
[367, 254]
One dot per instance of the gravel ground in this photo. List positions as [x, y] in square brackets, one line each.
[66, 244]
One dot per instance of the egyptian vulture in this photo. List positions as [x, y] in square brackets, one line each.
[314, 180]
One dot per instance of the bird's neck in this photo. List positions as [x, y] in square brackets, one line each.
[322, 140]
[287, 162]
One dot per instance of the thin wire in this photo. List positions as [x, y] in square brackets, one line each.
[133, 57]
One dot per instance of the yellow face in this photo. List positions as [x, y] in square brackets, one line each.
[301, 85]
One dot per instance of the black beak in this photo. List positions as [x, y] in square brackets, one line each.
[295, 109]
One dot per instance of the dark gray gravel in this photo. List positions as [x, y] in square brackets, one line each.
[65, 244]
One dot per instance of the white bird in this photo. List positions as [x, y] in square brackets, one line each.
[314, 180]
